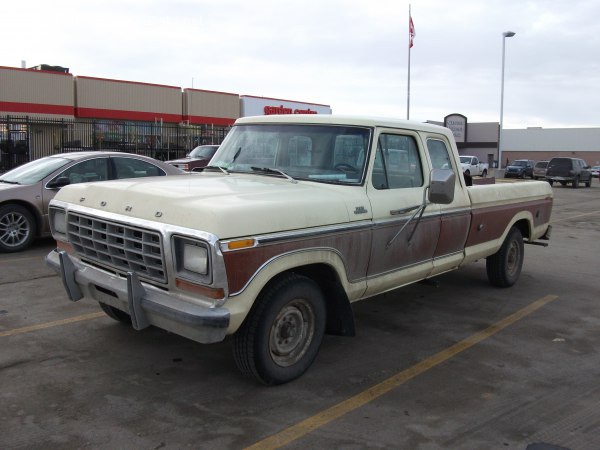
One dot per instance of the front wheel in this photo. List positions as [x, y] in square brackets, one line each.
[575, 182]
[17, 228]
[282, 334]
[504, 266]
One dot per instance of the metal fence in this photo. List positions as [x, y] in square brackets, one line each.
[23, 139]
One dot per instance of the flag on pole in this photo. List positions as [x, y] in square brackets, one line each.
[411, 31]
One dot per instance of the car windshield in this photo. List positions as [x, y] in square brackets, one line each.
[541, 164]
[203, 151]
[323, 153]
[465, 160]
[34, 171]
[520, 163]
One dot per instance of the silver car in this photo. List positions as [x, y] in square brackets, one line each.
[26, 190]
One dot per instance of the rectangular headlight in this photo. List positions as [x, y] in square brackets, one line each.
[195, 258]
[192, 259]
[58, 222]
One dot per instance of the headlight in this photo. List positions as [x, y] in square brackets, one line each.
[195, 258]
[58, 222]
[192, 259]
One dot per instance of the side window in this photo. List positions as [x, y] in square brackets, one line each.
[475, 161]
[134, 168]
[397, 163]
[438, 153]
[90, 170]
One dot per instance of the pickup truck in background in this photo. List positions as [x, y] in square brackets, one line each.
[296, 218]
[473, 167]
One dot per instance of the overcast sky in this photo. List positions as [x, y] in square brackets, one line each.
[351, 55]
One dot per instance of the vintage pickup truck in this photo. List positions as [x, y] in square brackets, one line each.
[296, 218]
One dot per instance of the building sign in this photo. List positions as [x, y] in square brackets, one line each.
[263, 106]
[283, 110]
[458, 125]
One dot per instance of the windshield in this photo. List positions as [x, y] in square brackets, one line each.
[203, 151]
[34, 171]
[324, 153]
[520, 163]
[465, 160]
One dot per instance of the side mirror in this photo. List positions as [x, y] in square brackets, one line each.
[59, 182]
[441, 186]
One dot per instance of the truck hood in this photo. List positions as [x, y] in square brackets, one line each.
[227, 206]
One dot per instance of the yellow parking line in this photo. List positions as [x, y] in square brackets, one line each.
[324, 417]
[56, 323]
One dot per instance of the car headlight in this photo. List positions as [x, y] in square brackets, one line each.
[58, 222]
[192, 259]
[195, 258]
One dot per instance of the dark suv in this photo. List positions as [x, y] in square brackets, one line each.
[569, 170]
[520, 168]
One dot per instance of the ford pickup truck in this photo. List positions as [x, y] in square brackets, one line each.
[296, 218]
[473, 167]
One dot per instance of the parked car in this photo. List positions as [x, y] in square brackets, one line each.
[539, 170]
[520, 168]
[26, 190]
[595, 171]
[197, 159]
[569, 170]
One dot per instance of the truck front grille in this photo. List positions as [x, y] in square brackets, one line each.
[122, 247]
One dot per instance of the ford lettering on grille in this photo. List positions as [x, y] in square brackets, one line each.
[119, 246]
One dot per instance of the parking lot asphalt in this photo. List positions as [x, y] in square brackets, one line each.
[457, 364]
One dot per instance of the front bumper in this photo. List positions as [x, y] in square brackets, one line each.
[146, 304]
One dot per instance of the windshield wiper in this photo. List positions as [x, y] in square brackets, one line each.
[9, 182]
[271, 170]
[222, 169]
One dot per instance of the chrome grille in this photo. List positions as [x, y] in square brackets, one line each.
[118, 246]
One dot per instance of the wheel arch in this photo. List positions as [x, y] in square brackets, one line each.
[325, 268]
[32, 210]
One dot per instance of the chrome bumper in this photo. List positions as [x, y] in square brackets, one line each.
[145, 304]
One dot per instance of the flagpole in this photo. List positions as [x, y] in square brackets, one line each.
[409, 46]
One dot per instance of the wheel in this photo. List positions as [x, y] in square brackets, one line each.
[17, 228]
[484, 173]
[115, 313]
[345, 167]
[550, 182]
[575, 182]
[588, 183]
[282, 334]
[563, 183]
[504, 266]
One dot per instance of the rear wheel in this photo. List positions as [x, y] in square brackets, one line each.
[575, 182]
[588, 183]
[115, 313]
[484, 173]
[282, 334]
[504, 267]
[17, 228]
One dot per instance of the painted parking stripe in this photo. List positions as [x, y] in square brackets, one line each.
[56, 323]
[321, 419]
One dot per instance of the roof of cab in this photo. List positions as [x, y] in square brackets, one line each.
[334, 119]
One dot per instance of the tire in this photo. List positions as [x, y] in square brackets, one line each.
[484, 173]
[282, 334]
[575, 183]
[17, 228]
[116, 314]
[588, 183]
[563, 183]
[550, 182]
[504, 267]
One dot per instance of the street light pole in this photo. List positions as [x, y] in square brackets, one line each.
[504, 36]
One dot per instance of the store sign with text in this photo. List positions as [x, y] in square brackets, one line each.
[458, 125]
